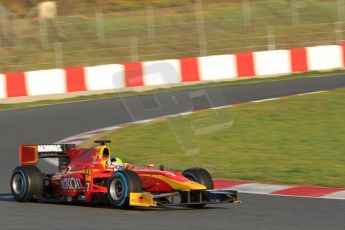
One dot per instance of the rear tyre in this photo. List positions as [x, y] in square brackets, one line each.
[27, 183]
[120, 185]
[201, 176]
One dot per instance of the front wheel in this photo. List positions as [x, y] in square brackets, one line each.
[27, 183]
[201, 176]
[120, 185]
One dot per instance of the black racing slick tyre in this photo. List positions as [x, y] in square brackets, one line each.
[201, 176]
[27, 183]
[120, 185]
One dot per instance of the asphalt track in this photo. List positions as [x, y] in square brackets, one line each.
[48, 124]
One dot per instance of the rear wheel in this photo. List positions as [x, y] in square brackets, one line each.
[120, 185]
[27, 183]
[201, 176]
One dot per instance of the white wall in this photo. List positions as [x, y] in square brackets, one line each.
[3, 93]
[325, 57]
[103, 77]
[272, 62]
[161, 72]
[44, 82]
[218, 67]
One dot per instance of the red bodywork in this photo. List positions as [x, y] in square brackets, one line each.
[86, 175]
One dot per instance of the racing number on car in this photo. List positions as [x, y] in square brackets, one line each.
[87, 185]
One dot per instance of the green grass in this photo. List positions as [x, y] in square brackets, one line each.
[296, 140]
[159, 90]
[176, 33]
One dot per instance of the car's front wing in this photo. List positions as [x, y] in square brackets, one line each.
[179, 198]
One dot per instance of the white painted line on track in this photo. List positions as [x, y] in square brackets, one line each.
[110, 128]
[66, 140]
[100, 130]
[221, 107]
[143, 121]
[269, 99]
[310, 93]
[86, 136]
[185, 113]
[174, 115]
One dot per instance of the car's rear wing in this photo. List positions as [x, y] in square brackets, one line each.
[29, 154]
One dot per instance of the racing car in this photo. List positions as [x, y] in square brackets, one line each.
[95, 175]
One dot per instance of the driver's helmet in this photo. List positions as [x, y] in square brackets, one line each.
[108, 159]
[114, 163]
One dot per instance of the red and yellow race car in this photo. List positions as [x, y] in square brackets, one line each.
[94, 175]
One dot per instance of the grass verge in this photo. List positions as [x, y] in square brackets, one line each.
[296, 140]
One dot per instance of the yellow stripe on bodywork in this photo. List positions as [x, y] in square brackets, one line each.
[178, 185]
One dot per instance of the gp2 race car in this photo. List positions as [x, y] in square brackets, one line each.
[94, 175]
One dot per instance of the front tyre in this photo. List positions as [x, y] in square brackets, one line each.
[120, 185]
[201, 176]
[26, 183]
